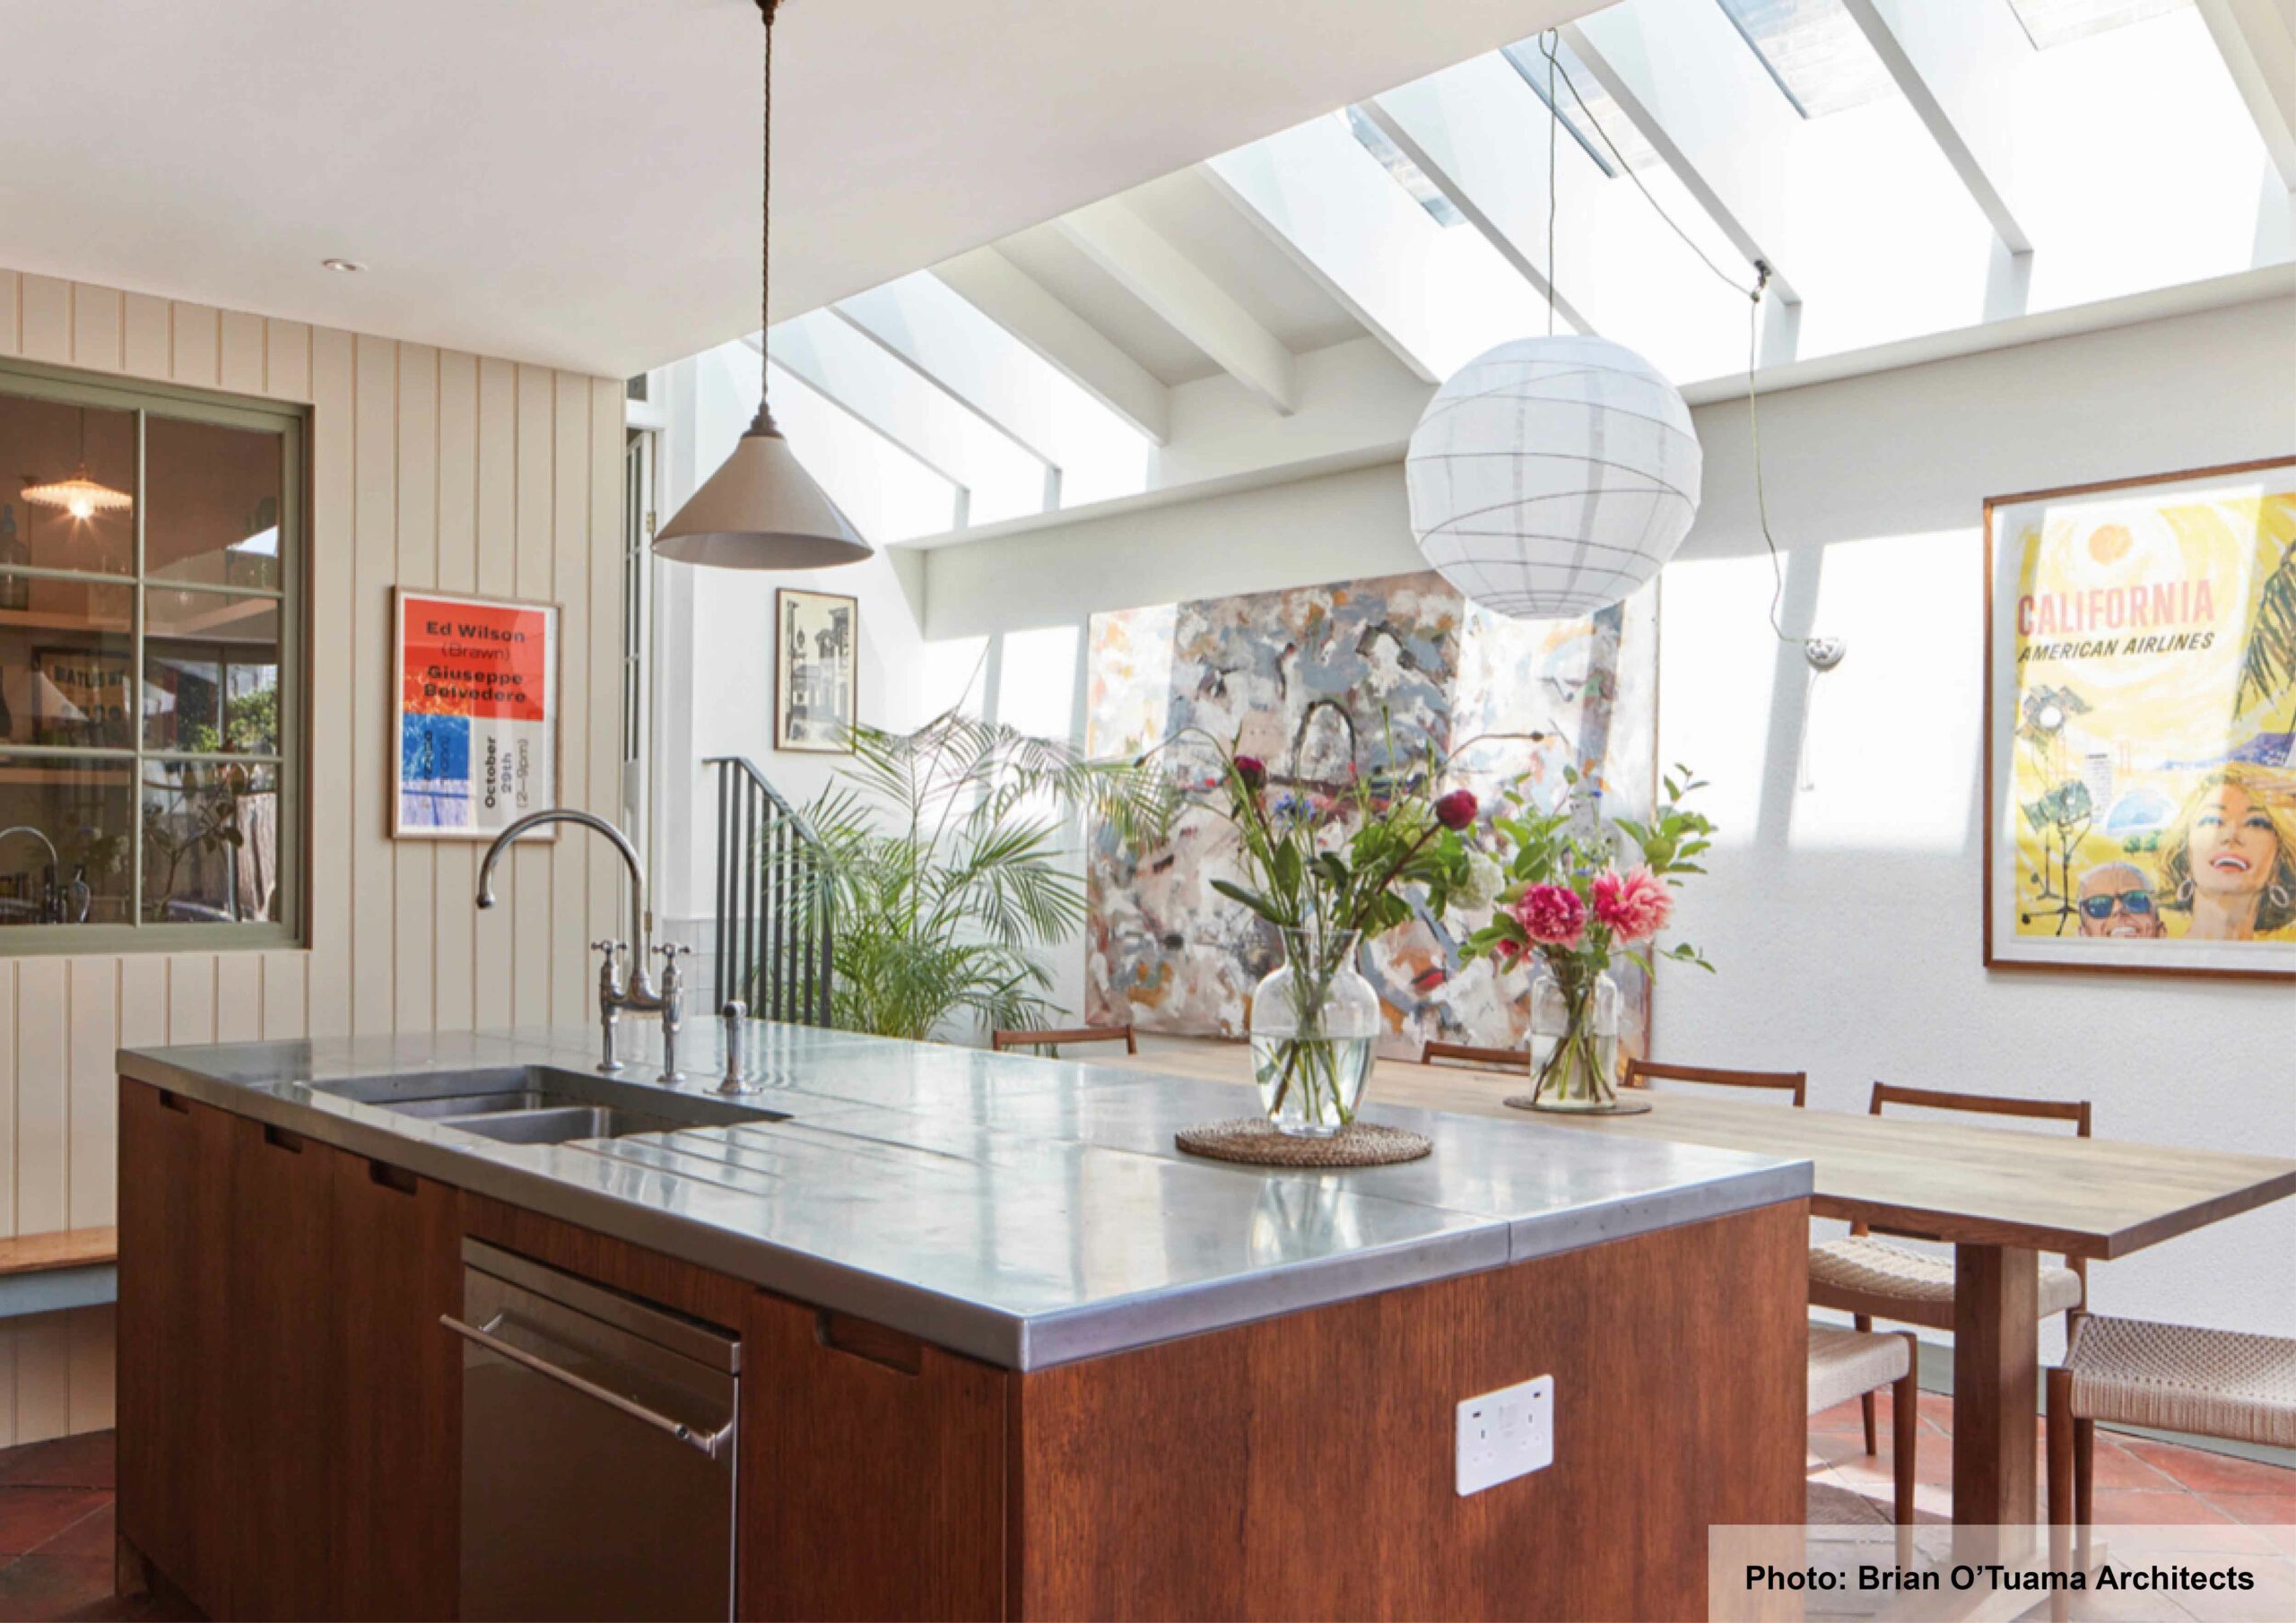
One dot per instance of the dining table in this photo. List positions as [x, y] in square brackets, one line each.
[2001, 1197]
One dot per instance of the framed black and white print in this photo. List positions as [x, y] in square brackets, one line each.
[816, 649]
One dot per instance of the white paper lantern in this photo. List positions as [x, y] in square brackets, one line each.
[1550, 477]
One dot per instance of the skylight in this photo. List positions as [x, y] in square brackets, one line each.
[1814, 51]
[2054, 22]
[1407, 174]
[1582, 98]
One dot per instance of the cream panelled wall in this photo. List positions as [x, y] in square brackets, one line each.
[430, 468]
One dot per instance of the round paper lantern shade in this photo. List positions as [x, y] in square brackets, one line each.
[1550, 477]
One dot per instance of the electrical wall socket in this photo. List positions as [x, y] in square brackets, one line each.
[1506, 1434]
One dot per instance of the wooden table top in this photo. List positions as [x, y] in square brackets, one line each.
[1984, 1185]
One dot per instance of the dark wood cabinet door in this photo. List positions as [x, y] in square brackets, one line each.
[179, 1491]
[286, 1372]
[397, 1264]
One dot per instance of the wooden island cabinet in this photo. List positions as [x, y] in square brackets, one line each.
[289, 1419]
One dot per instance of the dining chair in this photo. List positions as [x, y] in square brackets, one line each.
[1467, 1054]
[2221, 1383]
[1872, 1279]
[1001, 1041]
[1846, 1364]
[1639, 1073]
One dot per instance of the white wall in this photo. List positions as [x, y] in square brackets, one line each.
[1845, 915]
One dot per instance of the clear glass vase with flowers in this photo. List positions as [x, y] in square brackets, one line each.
[1580, 892]
[1331, 871]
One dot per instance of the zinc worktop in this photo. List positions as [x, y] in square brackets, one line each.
[1022, 1211]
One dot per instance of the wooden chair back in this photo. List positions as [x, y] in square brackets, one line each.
[2076, 1111]
[1002, 1040]
[1467, 1054]
[1639, 1072]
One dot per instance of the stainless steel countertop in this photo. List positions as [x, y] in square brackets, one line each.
[1023, 1211]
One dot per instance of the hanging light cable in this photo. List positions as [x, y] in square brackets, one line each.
[80, 496]
[760, 509]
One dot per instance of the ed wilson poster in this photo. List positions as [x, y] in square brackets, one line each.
[477, 686]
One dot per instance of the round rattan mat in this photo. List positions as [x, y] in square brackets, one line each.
[1251, 1140]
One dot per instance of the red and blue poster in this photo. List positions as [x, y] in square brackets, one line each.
[477, 681]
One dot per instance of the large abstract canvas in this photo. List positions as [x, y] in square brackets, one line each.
[1318, 682]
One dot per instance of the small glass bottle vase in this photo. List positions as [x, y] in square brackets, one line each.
[1574, 1040]
[1313, 1026]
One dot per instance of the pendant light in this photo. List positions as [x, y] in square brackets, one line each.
[80, 496]
[760, 510]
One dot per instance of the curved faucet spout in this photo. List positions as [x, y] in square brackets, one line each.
[642, 921]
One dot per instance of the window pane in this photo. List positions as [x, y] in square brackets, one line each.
[211, 673]
[64, 854]
[210, 842]
[67, 486]
[215, 514]
[1814, 51]
[64, 655]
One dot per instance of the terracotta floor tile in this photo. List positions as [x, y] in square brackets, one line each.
[54, 1587]
[2136, 1506]
[92, 1535]
[2212, 1473]
[2257, 1509]
[2118, 1468]
[82, 1461]
[31, 1517]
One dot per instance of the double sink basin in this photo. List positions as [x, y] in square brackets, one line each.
[541, 1104]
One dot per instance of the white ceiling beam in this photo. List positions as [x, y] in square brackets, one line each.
[1439, 174]
[1715, 148]
[2257, 40]
[1073, 346]
[1939, 55]
[801, 366]
[941, 385]
[1145, 263]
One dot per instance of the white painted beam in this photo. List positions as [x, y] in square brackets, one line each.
[1145, 263]
[1016, 301]
[2257, 40]
[1946, 59]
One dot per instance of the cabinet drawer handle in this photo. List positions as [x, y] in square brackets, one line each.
[710, 1444]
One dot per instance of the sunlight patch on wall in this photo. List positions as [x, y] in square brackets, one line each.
[1715, 670]
[1036, 686]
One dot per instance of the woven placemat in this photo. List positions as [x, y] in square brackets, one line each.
[1251, 1140]
[1620, 1106]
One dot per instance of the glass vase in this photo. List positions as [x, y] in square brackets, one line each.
[1574, 1039]
[1313, 1025]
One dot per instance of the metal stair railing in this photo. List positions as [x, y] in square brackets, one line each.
[773, 915]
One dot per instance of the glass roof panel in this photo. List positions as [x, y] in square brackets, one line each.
[1408, 175]
[2054, 22]
[1814, 51]
[1604, 133]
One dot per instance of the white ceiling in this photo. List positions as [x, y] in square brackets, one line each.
[574, 181]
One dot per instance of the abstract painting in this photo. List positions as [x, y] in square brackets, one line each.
[2141, 724]
[1321, 682]
[817, 638]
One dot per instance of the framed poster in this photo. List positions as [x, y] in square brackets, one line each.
[2140, 782]
[816, 649]
[79, 698]
[477, 733]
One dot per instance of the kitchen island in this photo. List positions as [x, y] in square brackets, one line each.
[1002, 1350]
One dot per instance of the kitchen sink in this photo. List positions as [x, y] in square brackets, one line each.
[540, 1105]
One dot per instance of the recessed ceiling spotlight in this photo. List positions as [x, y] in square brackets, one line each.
[342, 264]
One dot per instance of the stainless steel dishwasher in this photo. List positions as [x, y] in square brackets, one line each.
[599, 1444]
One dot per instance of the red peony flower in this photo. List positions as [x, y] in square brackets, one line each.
[1252, 771]
[1456, 810]
[1636, 904]
[1553, 915]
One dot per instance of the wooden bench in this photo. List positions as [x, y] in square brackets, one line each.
[67, 1268]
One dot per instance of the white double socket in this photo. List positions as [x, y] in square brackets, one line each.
[1506, 1434]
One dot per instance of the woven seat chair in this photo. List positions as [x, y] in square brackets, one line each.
[1871, 1279]
[1640, 1073]
[2172, 1378]
[1008, 1039]
[1846, 1364]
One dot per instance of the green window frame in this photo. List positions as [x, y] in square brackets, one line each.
[148, 402]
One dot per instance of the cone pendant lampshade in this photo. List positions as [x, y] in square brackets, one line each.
[759, 510]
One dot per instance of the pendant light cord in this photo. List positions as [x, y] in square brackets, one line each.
[1548, 44]
[765, 423]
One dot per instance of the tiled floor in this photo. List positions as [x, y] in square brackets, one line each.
[56, 1501]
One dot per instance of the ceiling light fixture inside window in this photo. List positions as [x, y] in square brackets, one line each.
[1814, 51]
[1407, 174]
[80, 497]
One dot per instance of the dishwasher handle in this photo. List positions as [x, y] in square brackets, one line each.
[711, 1445]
